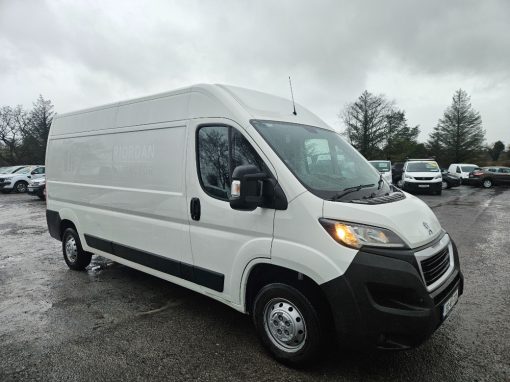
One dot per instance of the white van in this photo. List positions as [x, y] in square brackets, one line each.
[384, 167]
[422, 175]
[227, 192]
[462, 170]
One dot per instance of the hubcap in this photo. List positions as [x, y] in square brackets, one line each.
[71, 249]
[284, 325]
[21, 187]
[487, 183]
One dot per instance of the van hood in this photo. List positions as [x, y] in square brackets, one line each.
[410, 218]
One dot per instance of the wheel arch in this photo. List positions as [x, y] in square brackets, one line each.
[263, 273]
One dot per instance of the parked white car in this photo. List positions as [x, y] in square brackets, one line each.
[384, 167]
[18, 181]
[37, 187]
[462, 170]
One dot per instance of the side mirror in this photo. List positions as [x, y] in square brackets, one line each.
[247, 188]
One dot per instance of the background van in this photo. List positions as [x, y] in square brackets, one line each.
[462, 170]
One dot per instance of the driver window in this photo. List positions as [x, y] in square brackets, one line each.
[220, 150]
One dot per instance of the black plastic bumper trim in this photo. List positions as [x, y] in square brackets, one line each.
[53, 220]
[382, 301]
[207, 278]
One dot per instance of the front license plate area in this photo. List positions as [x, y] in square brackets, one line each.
[450, 303]
[423, 185]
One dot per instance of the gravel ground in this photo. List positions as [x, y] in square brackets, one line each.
[115, 323]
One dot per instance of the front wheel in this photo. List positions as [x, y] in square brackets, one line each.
[487, 183]
[21, 187]
[288, 324]
[74, 255]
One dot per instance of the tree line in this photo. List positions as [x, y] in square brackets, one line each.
[24, 133]
[379, 130]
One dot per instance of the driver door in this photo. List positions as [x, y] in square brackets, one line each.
[223, 240]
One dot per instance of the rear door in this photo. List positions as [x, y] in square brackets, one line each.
[223, 240]
[503, 175]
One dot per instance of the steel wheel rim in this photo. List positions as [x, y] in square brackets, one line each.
[284, 325]
[71, 249]
[487, 183]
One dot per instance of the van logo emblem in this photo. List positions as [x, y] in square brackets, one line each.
[428, 228]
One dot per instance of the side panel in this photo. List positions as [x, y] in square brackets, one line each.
[125, 186]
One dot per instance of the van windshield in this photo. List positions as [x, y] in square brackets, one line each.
[322, 161]
[422, 167]
[468, 168]
[381, 165]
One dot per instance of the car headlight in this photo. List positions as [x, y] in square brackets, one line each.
[357, 235]
[408, 177]
[438, 176]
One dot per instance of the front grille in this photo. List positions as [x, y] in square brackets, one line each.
[435, 266]
[422, 178]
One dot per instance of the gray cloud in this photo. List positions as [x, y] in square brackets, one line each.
[86, 53]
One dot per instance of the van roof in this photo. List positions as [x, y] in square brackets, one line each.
[217, 100]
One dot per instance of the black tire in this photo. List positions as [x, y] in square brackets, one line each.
[42, 194]
[21, 187]
[487, 183]
[305, 314]
[439, 192]
[74, 255]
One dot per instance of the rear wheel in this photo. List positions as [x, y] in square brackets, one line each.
[487, 183]
[74, 255]
[288, 324]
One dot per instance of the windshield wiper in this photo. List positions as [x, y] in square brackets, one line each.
[348, 190]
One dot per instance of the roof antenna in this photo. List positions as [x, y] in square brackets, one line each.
[292, 95]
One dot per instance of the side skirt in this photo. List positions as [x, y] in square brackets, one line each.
[204, 277]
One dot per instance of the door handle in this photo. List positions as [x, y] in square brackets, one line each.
[194, 208]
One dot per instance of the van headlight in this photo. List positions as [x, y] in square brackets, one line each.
[438, 176]
[408, 176]
[358, 235]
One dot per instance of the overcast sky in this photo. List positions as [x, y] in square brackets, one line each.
[86, 53]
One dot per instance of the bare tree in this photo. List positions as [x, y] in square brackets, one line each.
[13, 121]
[365, 122]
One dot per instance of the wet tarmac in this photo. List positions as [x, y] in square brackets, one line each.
[115, 323]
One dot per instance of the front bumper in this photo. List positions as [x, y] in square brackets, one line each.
[35, 190]
[383, 302]
[421, 186]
